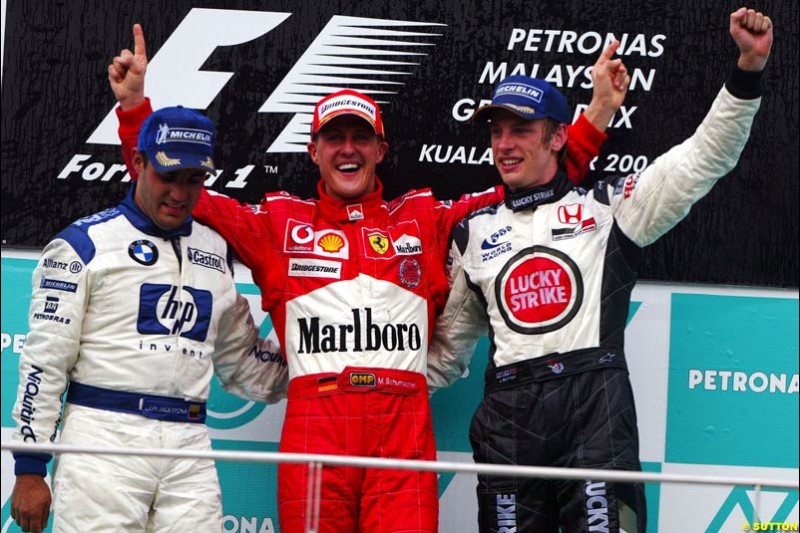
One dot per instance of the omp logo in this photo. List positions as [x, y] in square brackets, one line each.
[362, 379]
[349, 51]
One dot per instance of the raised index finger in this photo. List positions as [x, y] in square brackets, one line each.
[139, 48]
[609, 50]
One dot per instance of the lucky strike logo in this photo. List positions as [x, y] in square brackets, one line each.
[539, 290]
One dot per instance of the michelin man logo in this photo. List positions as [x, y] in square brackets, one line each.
[348, 52]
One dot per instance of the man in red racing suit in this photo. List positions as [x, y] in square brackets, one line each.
[353, 284]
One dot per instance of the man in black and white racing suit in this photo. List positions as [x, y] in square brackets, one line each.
[550, 272]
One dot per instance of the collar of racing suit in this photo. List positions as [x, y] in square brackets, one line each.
[142, 222]
[364, 207]
[531, 197]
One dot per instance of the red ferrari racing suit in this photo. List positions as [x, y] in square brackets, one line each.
[353, 289]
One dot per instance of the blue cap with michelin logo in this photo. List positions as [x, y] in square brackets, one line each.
[529, 98]
[175, 138]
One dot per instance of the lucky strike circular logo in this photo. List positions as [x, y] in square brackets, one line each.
[539, 290]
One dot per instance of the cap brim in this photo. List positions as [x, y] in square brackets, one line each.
[348, 112]
[484, 114]
[165, 162]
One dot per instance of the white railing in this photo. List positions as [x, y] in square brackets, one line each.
[317, 461]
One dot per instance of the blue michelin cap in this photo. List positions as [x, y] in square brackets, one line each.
[529, 98]
[176, 137]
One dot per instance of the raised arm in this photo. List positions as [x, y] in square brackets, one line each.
[126, 75]
[648, 205]
[127, 71]
[610, 82]
[752, 32]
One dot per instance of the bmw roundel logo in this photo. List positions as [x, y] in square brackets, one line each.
[143, 252]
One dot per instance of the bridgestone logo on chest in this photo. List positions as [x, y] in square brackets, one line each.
[357, 336]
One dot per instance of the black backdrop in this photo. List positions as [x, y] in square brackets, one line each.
[55, 94]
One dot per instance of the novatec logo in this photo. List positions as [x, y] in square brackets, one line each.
[348, 52]
[168, 310]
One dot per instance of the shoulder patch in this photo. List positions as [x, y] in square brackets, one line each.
[77, 233]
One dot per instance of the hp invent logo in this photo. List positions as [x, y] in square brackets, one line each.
[163, 310]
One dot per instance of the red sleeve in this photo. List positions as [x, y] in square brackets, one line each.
[130, 122]
[583, 145]
[449, 214]
[246, 230]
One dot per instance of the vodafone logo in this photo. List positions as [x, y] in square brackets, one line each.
[539, 290]
[302, 234]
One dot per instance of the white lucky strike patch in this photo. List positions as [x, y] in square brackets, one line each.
[539, 290]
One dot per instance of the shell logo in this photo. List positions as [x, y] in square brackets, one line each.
[331, 243]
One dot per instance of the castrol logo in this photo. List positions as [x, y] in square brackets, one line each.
[539, 290]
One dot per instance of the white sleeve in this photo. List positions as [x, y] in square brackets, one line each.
[649, 204]
[55, 320]
[246, 365]
[457, 329]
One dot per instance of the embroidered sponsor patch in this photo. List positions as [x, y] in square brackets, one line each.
[206, 259]
[378, 242]
[362, 379]
[301, 237]
[410, 273]
[355, 212]
[58, 285]
[315, 268]
[585, 226]
[539, 290]
[143, 252]
[556, 367]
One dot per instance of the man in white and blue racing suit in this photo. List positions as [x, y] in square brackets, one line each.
[548, 273]
[133, 311]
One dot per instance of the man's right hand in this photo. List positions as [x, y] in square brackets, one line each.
[30, 503]
[126, 72]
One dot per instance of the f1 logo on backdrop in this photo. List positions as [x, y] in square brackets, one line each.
[343, 55]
